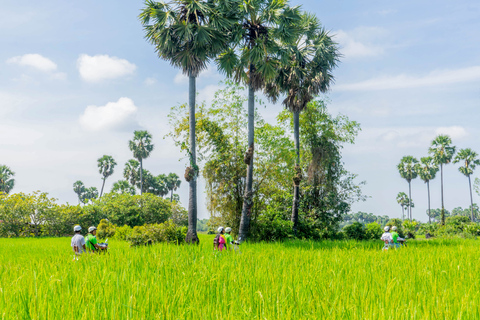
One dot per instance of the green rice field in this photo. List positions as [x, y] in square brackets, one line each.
[434, 279]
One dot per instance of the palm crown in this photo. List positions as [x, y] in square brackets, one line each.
[141, 145]
[470, 161]
[406, 168]
[6, 179]
[441, 149]
[427, 169]
[106, 164]
[130, 173]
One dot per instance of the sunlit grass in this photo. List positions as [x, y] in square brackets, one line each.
[436, 279]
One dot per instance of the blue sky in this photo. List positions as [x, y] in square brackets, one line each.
[76, 78]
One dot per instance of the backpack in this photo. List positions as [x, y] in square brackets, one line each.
[216, 240]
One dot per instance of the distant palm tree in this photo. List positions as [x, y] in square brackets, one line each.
[106, 164]
[173, 183]
[89, 194]
[407, 170]
[79, 189]
[442, 153]
[131, 172]
[6, 179]
[188, 34]
[141, 146]
[470, 161]
[123, 187]
[254, 59]
[402, 200]
[427, 169]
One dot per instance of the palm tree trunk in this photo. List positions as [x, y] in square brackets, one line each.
[441, 193]
[471, 196]
[192, 236]
[248, 195]
[103, 185]
[171, 196]
[410, 199]
[428, 191]
[141, 176]
[296, 187]
[403, 213]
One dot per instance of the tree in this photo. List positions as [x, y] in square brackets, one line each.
[79, 189]
[402, 200]
[89, 194]
[253, 59]
[173, 183]
[6, 179]
[442, 153]
[407, 169]
[123, 187]
[189, 34]
[427, 169]
[311, 57]
[131, 172]
[470, 161]
[106, 164]
[141, 146]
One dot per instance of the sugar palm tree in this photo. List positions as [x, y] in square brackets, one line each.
[79, 189]
[470, 160]
[105, 164]
[188, 34]
[407, 170]
[402, 200]
[131, 172]
[311, 57]
[141, 146]
[442, 153]
[123, 187]
[6, 179]
[427, 169]
[173, 183]
[253, 59]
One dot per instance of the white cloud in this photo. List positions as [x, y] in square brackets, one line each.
[113, 115]
[34, 60]
[103, 67]
[150, 81]
[455, 132]
[434, 78]
[360, 42]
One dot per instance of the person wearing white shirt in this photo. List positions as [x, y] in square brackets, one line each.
[78, 241]
[387, 238]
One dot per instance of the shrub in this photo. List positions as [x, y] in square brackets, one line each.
[355, 231]
[430, 228]
[456, 223]
[398, 224]
[121, 233]
[410, 228]
[154, 233]
[373, 231]
[105, 229]
[472, 229]
[271, 227]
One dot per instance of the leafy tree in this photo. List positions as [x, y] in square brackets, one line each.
[470, 160]
[402, 200]
[6, 179]
[154, 184]
[173, 183]
[442, 153]
[79, 189]
[427, 169]
[408, 171]
[106, 164]
[123, 187]
[437, 214]
[311, 56]
[189, 34]
[253, 59]
[131, 172]
[89, 194]
[355, 231]
[141, 146]
[373, 231]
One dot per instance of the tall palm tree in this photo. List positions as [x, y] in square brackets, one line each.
[254, 58]
[131, 172]
[123, 187]
[173, 183]
[6, 179]
[427, 169]
[188, 34]
[79, 189]
[402, 201]
[442, 153]
[407, 171]
[141, 146]
[311, 58]
[105, 164]
[470, 161]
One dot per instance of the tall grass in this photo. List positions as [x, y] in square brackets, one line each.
[437, 279]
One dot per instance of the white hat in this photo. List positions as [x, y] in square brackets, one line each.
[394, 228]
[228, 229]
[77, 228]
[386, 228]
[91, 229]
[220, 229]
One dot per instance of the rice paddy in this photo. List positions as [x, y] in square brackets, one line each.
[434, 279]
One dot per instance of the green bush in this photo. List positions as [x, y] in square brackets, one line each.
[121, 233]
[105, 229]
[270, 226]
[155, 233]
[354, 231]
[373, 231]
[398, 223]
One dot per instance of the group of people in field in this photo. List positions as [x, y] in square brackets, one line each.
[391, 239]
[224, 240]
[81, 244]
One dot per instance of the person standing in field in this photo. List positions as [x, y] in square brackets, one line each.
[387, 238]
[78, 241]
[228, 238]
[91, 242]
[219, 241]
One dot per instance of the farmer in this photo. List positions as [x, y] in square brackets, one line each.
[78, 241]
[387, 238]
[91, 242]
[228, 238]
[219, 241]
[397, 241]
